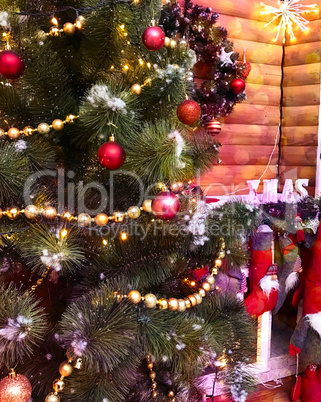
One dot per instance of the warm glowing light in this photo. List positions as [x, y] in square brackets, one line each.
[78, 24]
[290, 15]
[64, 233]
[141, 61]
[105, 242]
[124, 236]
[112, 67]
[54, 20]
[126, 67]
[193, 283]
[148, 65]
[122, 27]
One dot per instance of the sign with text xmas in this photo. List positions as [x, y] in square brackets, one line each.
[270, 191]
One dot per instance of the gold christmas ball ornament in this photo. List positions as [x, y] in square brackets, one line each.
[147, 205]
[58, 125]
[13, 133]
[198, 297]
[175, 187]
[188, 303]
[192, 299]
[202, 292]
[173, 44]
[152, 375]
[171, 394]
[31, 212]
[66, 369]
[210, 279]
[223, 245]
[27, 131]
[150, 365]
[150, 300]
[84, 219]
[54, 31]
[221, 254]
[43, 128]
[167, 42]
[181, 305]
[69, 28]
[52, 397]
[118, 217]
[49, 212]
[154, 394]
[134, 297]
[12, 213]
[163, 304]
[101, 219]
[136, 89]
[206, 286]
[218, 262]
[173, 304]
[58, 385]
[133, 212]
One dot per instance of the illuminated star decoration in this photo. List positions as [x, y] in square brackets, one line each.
[290, 14]
[225, 58]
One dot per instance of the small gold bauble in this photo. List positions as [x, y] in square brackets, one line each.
[215, 271]
[171, 394]
[12, 212]
[70, 118]
[210, 279]
[198, 297]
[49, 212]
[150, 300]
[134, 297]
[174, 187]
[223, 245]
[147, 205]
[173, 43]
[221, 254]
[84, 219]
[133, 212]
[163, 304]
[39, 281]
[52, 397]
[152, 375]
[78, 364]
[154, 385]
[218, 262]
[206, 286]
[150, 365]
[43, 128]
[173, 304]
[154, 394]
[31, 212]
[192, 299]
[188, 303]
[69, 28]
[13, 133]
[58, 125]
[54, 31]
[136, 89]
[27, 131]
[101, 219]
[167, 42]
[118, 217]
[174, 399]
[58, 385]
[2, 132]
[181, 305]
[66, 369]
[202, 292]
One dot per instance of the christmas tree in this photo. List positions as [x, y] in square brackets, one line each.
[110, 256]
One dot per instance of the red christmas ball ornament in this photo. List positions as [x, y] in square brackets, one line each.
[189, 112]
[111, 155]
[165, 205]
[153, 38]
[15, 388]
[238, 86]
[11, 65]
[213, 127]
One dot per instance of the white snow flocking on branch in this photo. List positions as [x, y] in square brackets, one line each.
[179, 147]
[100, 96]
[16, 329]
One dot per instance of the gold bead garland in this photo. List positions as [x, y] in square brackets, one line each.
[152, 376]
[42, 128]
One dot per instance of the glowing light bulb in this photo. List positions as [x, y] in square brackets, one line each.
[124, 236]
[64, 233]
[105, 242]
[54, 20]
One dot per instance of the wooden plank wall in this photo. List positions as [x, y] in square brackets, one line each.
[248, 134]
